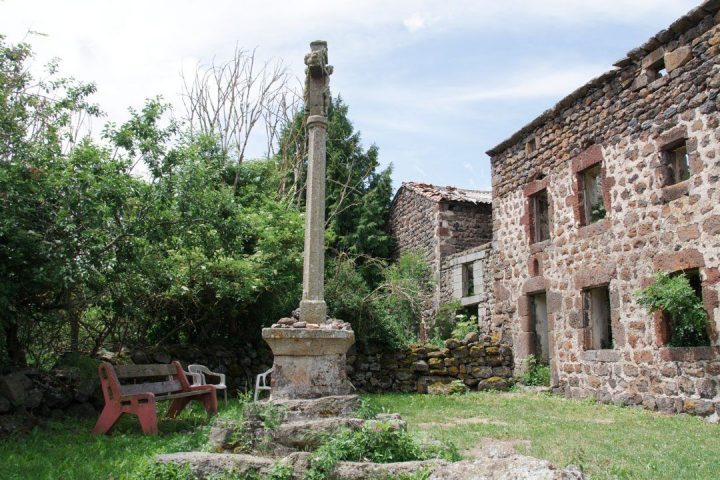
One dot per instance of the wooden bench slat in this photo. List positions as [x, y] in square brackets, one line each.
[171, 396]
[141, 371]
[168, 386]
[180, 395]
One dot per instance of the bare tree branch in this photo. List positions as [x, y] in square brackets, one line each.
[227, 100]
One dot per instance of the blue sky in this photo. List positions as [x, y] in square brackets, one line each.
[433, 83]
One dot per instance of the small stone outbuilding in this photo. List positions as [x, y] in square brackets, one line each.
[451, 227]
[620, 180]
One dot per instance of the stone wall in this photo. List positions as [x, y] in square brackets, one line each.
[413, 225]
[621, 121]
[463, 226]
[239, 365]
[478, 362]
[453, 286]
[28, 396]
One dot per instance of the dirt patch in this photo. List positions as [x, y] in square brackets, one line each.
[602, 421]
[463, 421]
[479, 421]
[494, 447]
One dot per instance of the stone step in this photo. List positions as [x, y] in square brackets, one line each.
[205, 465]
[332, 406]
[492, 466]
[308, 434]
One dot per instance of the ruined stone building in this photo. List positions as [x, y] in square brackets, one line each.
[451, 228]
[618, 181]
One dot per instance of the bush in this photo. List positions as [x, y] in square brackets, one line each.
[449, 323]
[464, 326]
[388, 314]
[674, 295]
[444, 321]
[536, 374]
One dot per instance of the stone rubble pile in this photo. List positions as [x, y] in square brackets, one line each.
[295, 322]
[252, 447]
[28, 396]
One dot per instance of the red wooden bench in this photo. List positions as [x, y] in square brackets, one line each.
[134, 389]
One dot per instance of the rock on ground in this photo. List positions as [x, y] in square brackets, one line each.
[205, 465]
[503, 463]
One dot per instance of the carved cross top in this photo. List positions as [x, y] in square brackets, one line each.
[317, 81]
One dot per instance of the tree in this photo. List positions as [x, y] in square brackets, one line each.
[38, 120]
[358, 195]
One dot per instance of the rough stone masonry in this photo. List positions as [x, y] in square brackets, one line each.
[620, 180]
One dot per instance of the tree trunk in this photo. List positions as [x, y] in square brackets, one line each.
[74, 332]
[15, 350]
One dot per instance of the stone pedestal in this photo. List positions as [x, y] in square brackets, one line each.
[309, 363]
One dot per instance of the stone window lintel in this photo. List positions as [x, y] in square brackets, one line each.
[689, 354]
[605, 355]
[534, 186]
[469, 301]
[595, 228]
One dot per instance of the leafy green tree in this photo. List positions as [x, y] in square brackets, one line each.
[358, 194]
[42, 249]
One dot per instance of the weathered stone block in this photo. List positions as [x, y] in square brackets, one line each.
[15, 387]
[677, 58]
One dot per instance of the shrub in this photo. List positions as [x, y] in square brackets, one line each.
[445, 320]
[536, 374]
[388, 314]
[674, 295]
[464, 326]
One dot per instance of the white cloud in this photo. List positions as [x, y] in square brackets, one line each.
[414, 23]
[137, 48]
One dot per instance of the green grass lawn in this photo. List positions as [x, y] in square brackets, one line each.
[606, 441]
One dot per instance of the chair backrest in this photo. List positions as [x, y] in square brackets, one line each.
[157, 379]
[201, 370]
[195, 368]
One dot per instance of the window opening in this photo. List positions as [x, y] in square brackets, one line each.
[538, 309]
[530, 146]
[540, 216]
[596, 317]
[468, 280]
[593, 205]
[668, 322]
[676, 162]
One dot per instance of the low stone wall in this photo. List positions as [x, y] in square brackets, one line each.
[477, 362]
[240, 365]
[28, 395]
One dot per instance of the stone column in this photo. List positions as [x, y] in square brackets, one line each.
[317, 97]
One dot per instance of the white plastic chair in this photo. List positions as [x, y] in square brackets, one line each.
[261, 383]
[201, 371]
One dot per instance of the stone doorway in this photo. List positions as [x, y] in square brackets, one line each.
[538, 312]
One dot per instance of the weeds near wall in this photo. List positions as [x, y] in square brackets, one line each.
[536, 374]
[464, 326]
[379, 443]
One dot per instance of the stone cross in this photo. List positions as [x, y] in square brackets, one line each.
[317, 98]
